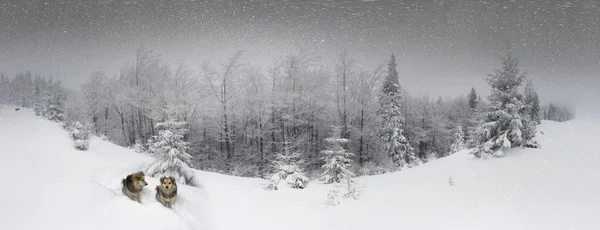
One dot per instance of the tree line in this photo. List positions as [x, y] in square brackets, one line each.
[239, 118]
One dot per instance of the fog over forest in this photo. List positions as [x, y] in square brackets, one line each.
[443, 47]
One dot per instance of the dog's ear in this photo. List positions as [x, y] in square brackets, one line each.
[141, 173]
[162, 179]
[128, 178]
[173, 180]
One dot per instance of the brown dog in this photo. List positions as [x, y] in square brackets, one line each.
[166, 192]
[133, 185]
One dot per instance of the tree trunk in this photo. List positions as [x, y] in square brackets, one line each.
[105, 131]
[345, 133]
[132, 134]
[273, 125]
[122, 125]
[360, 147]
[226, 133]
[95, 121]
[152, 127]
[140, 128]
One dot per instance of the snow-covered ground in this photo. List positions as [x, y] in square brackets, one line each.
[48, 184]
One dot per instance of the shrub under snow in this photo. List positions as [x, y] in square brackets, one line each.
[79, 133]
[138, 147]
[287, 171]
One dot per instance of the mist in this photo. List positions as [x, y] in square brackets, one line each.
[443, 47]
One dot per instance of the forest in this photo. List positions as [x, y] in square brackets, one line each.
[237, 117]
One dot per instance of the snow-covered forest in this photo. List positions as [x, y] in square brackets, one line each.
[238, 119]
[320, 114]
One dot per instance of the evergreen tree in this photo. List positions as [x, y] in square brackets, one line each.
[506, 124]
[533, 102]
[552, 113]
[38, 104]
[390, 111]
[459, 141]
[337, 160]
[528, 90]
[171, 152]
[535, 109]
[473, 133]
[53, 105]
[473, 99]
[473, 118]
[287, 170]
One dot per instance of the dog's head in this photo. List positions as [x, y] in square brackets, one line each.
[168, 184]
[138, 179]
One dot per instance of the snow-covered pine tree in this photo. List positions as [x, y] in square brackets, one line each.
[459, 140]
[171, 152]
[535, 109]
[473, 119]
[473, 100]
[533, 102]
[54, 108]
[474, 131]
[39, 95]
[532, 116]
[287, 170]
[507, 120]
[395, 143]
[551, 112]
[337, 160]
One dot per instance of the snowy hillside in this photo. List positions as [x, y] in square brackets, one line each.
[50, 185]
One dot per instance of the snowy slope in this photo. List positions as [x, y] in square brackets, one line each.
[49, 185]
[557, 187]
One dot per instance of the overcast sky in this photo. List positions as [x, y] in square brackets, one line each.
[443, 47]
